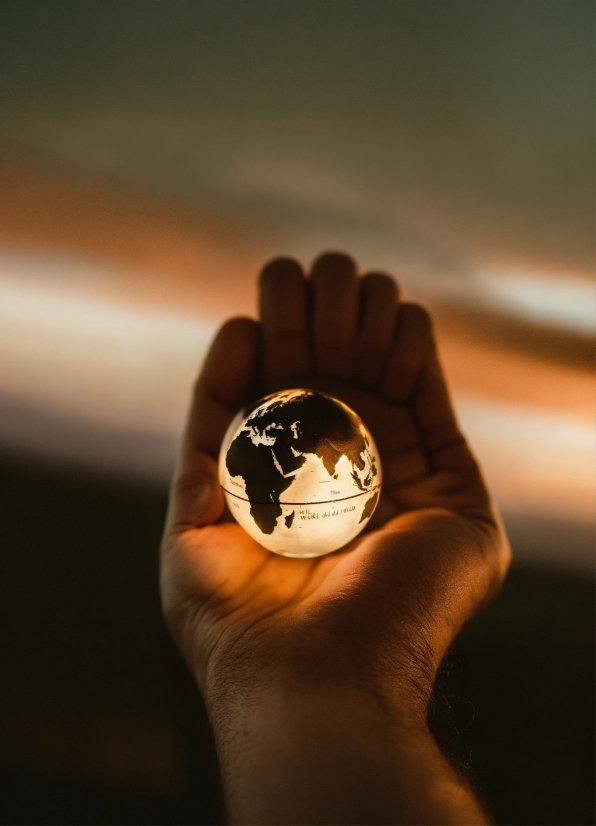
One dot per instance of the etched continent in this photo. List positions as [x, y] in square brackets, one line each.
[271, 447]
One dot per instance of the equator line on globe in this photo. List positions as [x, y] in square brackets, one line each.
[300, 472]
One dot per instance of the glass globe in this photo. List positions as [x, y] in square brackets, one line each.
[300, 472]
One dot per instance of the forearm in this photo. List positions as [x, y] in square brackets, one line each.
[335, 755]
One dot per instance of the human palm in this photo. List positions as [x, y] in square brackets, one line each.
[389, 603]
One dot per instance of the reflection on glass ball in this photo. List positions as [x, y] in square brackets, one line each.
[300, 472]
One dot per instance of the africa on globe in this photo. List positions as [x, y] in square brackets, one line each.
[300, 472]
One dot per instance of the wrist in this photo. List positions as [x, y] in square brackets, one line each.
[397, 682]
[294, 694]
[333, 754]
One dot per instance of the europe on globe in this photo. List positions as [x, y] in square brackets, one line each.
[300, 472]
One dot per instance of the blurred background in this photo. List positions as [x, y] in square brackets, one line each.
[152, 155]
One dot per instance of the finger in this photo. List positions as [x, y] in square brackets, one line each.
[445, 444]
[412, 349]
[223, 387]
[283, 303]
[335, 308]
[430, 399]
[414, 374]
[379, 299]
[196, 499]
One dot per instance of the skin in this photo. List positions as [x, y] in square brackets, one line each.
[317, 673]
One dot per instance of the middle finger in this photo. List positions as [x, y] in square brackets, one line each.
[335, 310]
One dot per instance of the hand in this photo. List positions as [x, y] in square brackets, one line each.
[380, 614]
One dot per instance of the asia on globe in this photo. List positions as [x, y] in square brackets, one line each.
[300, 472]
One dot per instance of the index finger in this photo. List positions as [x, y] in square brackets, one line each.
[283, 303]
[334, 281]
[223, 387]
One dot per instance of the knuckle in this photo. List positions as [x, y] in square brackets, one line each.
[331, 345]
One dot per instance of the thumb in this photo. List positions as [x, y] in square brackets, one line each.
[196, 499]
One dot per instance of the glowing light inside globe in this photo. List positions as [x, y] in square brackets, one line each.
[300, 472]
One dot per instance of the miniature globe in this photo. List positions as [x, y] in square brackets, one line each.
[300, 472]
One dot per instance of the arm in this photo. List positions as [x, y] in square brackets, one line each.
[334, 754]
[317, 673]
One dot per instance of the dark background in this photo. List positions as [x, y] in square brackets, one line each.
[514, 703]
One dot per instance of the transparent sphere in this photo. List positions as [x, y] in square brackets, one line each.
[300, 472]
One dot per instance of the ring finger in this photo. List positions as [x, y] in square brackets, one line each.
[379, 296]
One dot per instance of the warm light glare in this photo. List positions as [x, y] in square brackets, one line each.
[107, 382]
[564, 301]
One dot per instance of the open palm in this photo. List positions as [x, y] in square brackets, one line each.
[390, 603]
